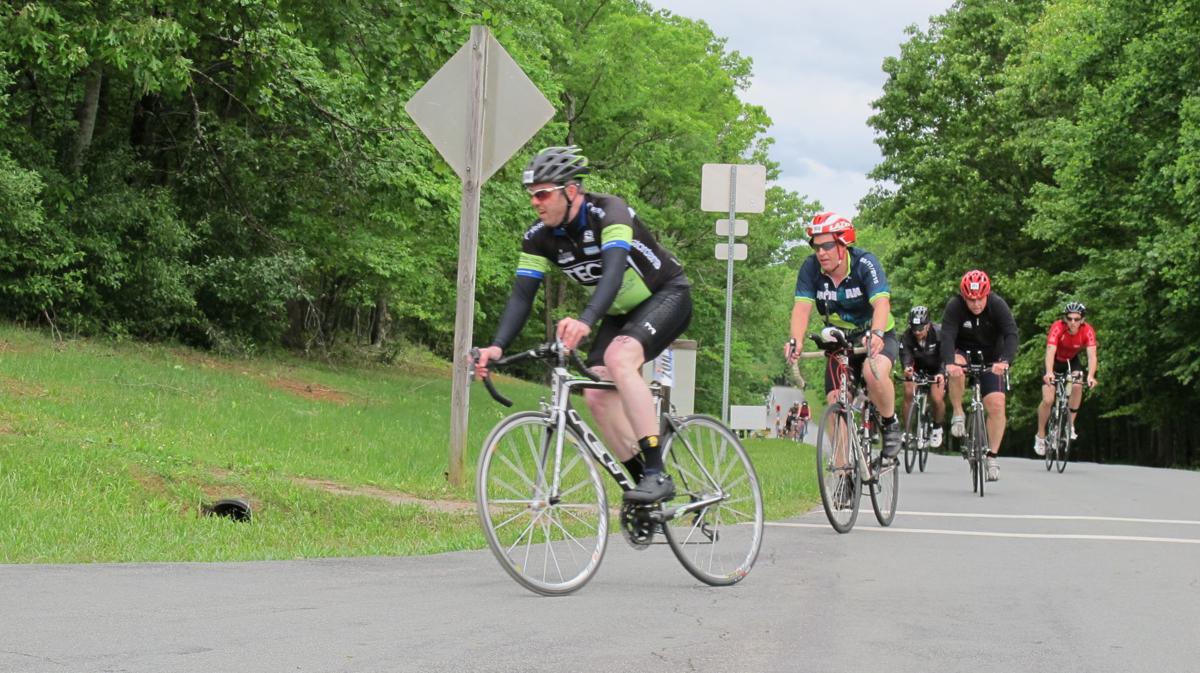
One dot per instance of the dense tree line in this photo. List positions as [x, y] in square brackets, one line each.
[1056, 144]
[238, 173]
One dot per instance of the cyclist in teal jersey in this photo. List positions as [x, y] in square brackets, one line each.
[640, 302]
[849, 289]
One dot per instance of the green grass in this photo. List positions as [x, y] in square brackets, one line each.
[109, 450]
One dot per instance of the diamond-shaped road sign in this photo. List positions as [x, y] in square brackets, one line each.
[514, 109]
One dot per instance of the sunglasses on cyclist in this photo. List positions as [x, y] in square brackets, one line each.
[826, 246]
[541, 195]
[1077, 318]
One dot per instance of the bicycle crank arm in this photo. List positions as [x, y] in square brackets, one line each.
[671, 513]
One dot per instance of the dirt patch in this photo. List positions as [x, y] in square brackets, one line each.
[150, 482]
[311, 391]
[208, 362]
[21, 389]
[394, 497]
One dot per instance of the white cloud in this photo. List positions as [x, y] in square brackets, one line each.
[817, 67]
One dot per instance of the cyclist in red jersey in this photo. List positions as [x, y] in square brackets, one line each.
[1066, 339]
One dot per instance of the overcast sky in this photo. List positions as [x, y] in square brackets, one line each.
[817, 67]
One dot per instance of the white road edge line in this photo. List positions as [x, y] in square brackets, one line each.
[977, 533]
[1054, 517]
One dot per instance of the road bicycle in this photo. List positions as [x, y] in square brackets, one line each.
[918, 425]
[1058, 427]
[543, 505]
[975, 444]
[850, 443]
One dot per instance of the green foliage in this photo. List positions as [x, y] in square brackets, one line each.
[1054, 144]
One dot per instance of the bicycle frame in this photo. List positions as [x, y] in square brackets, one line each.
[563, 415]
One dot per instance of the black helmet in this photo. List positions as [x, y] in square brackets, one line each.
[1075, 307]
[918, 316]
[558, 165]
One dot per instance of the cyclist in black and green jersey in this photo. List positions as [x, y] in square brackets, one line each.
[639, 296]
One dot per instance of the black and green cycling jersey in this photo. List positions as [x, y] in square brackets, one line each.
[603, 223]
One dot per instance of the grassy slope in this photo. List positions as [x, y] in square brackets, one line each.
[107, 452]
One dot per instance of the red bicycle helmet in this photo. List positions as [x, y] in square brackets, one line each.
[975, 284]
[830, 222]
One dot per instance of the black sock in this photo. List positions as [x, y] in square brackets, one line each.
[993, 454]
[890, 420]
[634, 465]
[651, 454]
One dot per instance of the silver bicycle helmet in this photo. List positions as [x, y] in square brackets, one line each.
[558, 165]
[918, 316]
[1075, 307]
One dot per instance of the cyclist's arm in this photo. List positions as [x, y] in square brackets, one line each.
[950, 322]
[801, 312]
[516, 312]
[1051, 349]
[1091, 351]
[908, 344]
[882, 314]
[1008, 330]
[613, 260]
[806, 298]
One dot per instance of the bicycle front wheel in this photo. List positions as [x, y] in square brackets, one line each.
[1064, 441]
[838, 480]
[926, 428]
[717, 542]
[551, 541]
[885, 489]
[911, 439]
[979, 439]
[1051, 445]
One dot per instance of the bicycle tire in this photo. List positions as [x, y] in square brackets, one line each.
[1051, 445]
[912, 436]
[926, 426]
[837, 431]
[532, 538]
[979, 434]
[719, 543]
[1064, 441]
[885, 487]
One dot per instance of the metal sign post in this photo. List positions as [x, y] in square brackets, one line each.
[749, 199]
[477, 111]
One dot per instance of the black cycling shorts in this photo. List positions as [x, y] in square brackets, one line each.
[1060, 366]
[989, 381]
[891, 349]
[654, 323]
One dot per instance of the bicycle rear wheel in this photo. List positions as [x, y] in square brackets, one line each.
[719, 542]
[839, 482]
[1064, 440]
[551, 544]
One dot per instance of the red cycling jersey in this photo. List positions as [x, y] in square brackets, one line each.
[1069, 344]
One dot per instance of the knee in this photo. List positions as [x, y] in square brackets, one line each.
[623, 356]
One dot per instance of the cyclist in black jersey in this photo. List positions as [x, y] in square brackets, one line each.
[978, 319]
[640, 299]
[920, 351]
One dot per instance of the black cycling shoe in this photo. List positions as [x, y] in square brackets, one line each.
[651, 489]
[892, 436]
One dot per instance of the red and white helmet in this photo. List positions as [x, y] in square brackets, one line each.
[830, 222]
[975, 285]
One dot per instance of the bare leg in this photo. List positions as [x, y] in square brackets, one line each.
[609, 415]
[1044, 409]
[996, 420]
[879, 384]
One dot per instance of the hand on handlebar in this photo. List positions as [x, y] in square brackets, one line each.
[1091, 381]
[571, 331]
[791, 351]
[486, 355]
[1048, 379]
[998, 368]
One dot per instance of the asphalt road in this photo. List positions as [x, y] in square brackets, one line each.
[1096, 569]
